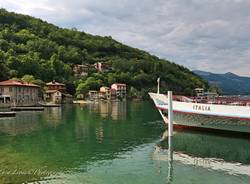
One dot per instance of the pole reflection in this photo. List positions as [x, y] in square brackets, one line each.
[165, 154]
[199, 150]
[170, 159]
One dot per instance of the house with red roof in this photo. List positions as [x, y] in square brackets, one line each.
[18, 93]
[56, 93]
[56, 86]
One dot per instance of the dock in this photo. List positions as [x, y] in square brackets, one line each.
[7, 114]
[82, 102]
[27, 108]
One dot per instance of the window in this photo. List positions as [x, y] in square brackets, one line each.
[10, 89]
[7, 99]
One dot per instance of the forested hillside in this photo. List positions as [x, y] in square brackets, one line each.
[31, 46]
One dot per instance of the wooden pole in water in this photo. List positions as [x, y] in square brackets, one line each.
[170, 113]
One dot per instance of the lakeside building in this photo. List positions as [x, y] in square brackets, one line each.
[81, 70]
[93, 95]
[105, 93]
[56, 86]
[53, 96]
[117, 91]
[199, 91]
[56, 94]
[5, 101]
[120, 90]
[102, 67]
[18, 93]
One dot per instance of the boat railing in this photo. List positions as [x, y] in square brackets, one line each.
[223, 100]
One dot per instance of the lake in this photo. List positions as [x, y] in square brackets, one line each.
[118, 142]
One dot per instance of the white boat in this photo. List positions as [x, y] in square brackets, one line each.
[205, 115]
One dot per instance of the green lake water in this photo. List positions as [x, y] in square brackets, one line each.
[118, 142]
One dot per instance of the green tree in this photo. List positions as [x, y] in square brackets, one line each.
[28, 78]
[215, 89]
[4, 74]
[82, 88]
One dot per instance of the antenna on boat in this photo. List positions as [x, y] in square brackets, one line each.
[158, 85]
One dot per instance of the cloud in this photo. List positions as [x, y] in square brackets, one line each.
[208, 35]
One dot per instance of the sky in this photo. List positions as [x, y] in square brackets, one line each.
[209, 35]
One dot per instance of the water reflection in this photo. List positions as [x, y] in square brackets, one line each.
[165, 154]
[117, 110]
[53, 116]
[105, 109]
[86, 144]
[82, 132]
[26, 122]
[208, 151]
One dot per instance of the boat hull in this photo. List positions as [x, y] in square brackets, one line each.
[211, 122]
[210, 116]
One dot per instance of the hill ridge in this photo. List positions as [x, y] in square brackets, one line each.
[32, 46]
[229, 82]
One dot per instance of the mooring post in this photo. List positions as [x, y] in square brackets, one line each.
[158, 85]
[170, 113]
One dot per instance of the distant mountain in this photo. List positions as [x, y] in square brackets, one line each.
[230, 83]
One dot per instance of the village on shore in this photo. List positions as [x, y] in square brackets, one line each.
[22, 94]
[17, 93]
